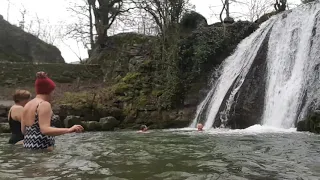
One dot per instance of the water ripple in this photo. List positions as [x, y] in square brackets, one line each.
[173, 154]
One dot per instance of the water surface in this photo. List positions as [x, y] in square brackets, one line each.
[169, 154]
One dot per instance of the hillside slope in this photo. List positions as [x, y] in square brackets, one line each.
[19, 46]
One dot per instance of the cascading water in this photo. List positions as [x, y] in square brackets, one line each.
[292, 61]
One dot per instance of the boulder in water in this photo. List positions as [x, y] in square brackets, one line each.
[311, 123]
[69, 121]
[91, 126]
[108, 123]
[3, 119]
[4, 128]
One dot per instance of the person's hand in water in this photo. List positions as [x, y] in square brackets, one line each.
[76, 129]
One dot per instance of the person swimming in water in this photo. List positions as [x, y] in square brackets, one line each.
[20, 98]
[143, 129]
[200, 127]
[37, 117]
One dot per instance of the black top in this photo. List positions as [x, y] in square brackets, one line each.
[15, 127]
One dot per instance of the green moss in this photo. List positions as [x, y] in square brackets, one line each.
[142, 100]
[131, 77]
[121, 88]
[157, 93]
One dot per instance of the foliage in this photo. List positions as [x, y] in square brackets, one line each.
[192, 20]
[207, 46]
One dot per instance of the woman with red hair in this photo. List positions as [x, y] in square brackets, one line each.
[37, 117]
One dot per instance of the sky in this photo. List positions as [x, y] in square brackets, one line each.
[55, 14]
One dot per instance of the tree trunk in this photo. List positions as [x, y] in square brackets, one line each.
[227, 9]
[91, 28]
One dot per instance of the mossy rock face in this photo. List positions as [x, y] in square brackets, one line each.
[17, 74]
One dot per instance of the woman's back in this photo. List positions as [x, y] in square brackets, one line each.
[33, 138]
[29, 112]
[20, 98]
[15, 124]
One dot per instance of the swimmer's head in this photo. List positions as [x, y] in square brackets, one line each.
[199, 127]
[143, 128]
[21, 97]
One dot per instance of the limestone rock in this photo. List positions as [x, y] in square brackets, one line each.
[108, 123]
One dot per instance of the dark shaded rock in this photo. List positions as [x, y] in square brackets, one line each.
[311, 123]
[265, 17]
[70, 121]
[249, 101]
[108, 123]
[3, 119]
[193, 20]
[228, 20]
[57, 122]
[4, 128]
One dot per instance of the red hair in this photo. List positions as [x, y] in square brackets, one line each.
[43, 84]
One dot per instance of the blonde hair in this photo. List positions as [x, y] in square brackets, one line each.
[21, 95]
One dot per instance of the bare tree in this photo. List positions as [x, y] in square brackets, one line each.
[82, 30]
[8, 10]
[254, 9]
[23, 13]
[105, 13]
[164, 13]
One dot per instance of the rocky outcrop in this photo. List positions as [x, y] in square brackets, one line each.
[19, 46]
[311, 123]
[104, 124]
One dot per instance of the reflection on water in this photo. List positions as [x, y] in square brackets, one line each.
[173, 154]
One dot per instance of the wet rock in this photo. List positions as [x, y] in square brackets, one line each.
[108, 123]
[4, 128]
[57, 122]
[3, 111]
[311, 123]
[70, 121]
[249, 101]
[3, 119]
[91, 126]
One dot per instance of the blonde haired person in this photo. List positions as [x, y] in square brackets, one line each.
[20, 98]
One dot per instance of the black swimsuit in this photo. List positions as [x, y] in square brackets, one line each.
[15, 127]
[34, 139]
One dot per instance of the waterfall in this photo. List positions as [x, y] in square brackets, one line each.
[291, 60]
[292, 71]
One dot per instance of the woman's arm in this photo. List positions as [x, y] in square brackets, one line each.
[23, 126]
[45, 113]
